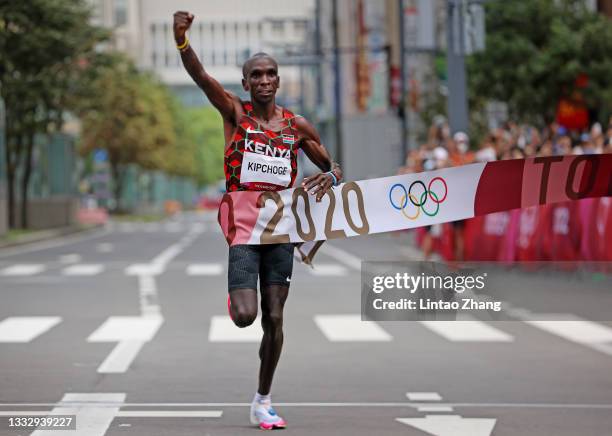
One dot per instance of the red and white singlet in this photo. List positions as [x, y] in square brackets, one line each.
[261, 160]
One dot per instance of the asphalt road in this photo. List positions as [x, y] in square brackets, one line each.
[127, 329]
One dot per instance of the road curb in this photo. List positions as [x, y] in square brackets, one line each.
[49, 234]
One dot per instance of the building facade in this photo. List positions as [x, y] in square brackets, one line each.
[223, 34]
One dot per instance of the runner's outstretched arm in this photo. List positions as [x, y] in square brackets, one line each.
[224, 101]
[311, 144]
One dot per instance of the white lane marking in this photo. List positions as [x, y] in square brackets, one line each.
[45, 245]
[83, 270]
[594, 335]
[451, 425]
[205, 269]
[223, 329]
[131, 333]
[431, 409]
[158, 263]
[70, 258]
[604, 348]
[328, 270]
[350, 328]
[25, 269]
[126, 328]
[104, 247]
[423, 396]
[341, 256]
[467, 329]
[198, 227]
[119, 360]
[138, 269]
[130, 414]
[26, 328]
[173, 227]
[581, 331]
[127, 227]
[151, 228]
[91, 419]
[591, 406]
[170, 414]
[147, 292]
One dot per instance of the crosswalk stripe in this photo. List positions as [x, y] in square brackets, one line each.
[331, 269]
[423, 396]
[20, 329]
[205, 269]
[91, 419]
[143, 269]
[467, 329]
[131, 333]
[350, 328]
[26, 269]
[126, 328]
[70, 258]
[222, 329]
[575, 329]
[83, 270]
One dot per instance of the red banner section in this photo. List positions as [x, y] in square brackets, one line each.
[568, 231]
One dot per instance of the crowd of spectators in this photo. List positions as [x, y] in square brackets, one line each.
[512, 141]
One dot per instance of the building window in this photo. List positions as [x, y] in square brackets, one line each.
[278, 28]
[121, 7]
[300, 27]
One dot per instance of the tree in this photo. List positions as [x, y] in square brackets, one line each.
[41, 42]
[130, 119]
[535, 52]
[204, 126]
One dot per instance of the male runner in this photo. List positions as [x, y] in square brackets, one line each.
[261, 145]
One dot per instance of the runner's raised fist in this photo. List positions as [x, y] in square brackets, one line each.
[182, 22]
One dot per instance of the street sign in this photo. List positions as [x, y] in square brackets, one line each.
[100, 155]
[473, 27]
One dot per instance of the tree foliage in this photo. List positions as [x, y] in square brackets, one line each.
[129, 116]
[41, 44]
[535, 51]
[203, 128]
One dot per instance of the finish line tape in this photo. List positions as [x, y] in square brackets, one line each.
[410, 200]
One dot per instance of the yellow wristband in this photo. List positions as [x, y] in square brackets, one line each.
[184, 44]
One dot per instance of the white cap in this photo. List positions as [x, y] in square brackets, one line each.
[440, 153]
[461, 137]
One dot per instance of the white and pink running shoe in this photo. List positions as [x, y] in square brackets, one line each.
[266, 418]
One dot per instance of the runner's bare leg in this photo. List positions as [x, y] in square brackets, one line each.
[273, 299]
[244, 306]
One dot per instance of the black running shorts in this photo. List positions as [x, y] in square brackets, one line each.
[272, 263]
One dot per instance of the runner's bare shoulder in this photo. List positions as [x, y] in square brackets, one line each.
[237, 109]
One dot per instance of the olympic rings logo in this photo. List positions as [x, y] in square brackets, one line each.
[418, 200]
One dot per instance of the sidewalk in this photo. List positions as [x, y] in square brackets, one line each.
[44, 235]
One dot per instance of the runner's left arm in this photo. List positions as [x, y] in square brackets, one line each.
[317, 184]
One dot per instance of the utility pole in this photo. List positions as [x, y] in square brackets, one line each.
[3, 187]
[319, 55]
[403, 110]
[455, 59]
[337, 85]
